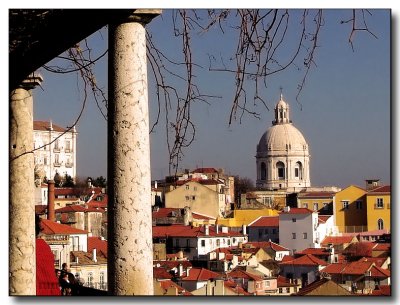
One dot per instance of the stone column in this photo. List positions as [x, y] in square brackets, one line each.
[22, 280]
[130, 260]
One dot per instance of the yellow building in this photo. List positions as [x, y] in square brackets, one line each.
[350, 209]
[206, 197]
[245, 217]
[378, 206]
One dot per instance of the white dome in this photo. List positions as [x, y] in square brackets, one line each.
[282, 137]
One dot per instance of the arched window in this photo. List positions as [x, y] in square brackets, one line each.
[298, 170]
[263, 171]
[280, 166]
[380, 224]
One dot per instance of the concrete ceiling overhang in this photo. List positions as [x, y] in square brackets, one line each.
[37, 36]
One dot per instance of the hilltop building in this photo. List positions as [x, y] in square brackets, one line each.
[59, 156]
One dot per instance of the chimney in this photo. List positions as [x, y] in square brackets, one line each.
[51, 215]
[89, 182]
[371, 183]
[206, 230]
[244, 229]
[155, 184]
[51, 124]
[180, 270]
[217, 228]
[94, 258]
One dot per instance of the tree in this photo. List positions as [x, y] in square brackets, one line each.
[268, 42]
[100, 182]
[242, 186]
[68, 181]
[58, 181]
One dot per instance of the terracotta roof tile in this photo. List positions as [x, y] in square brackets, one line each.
[305, 260]
[200, 274]
[99, 244]
[231, 285]
[314, 251]
[382, 290]
[337, 240]
[71, 208]
[297, 211]
[45, 126]
[50, 227]
[284, 282]
[266, 221]
[205, 170]
[267, 244]
[86, 258]
[241, 274]
[380, 189]
[161, 273]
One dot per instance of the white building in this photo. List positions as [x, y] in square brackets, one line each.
[283, 154]
[59, 156]
[298, 229]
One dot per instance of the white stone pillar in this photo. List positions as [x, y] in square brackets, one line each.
[22, 279]
[130, 267]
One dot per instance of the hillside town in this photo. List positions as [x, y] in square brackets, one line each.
[285, 237]
[200, 231]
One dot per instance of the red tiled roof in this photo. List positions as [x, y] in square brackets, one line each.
[267, 244]
[168, 284]
[165, 212]
[323, 218]
[266, 221]
[231, 285]
[359, 249]
[337, 240]
[241, 274]
[205, 170]
[200, 274]
[97, 243]
[188, 231]
[381, 247]
[379, 272]
[305, 260]
[284, 282]
[297, 211]
[287, 258]
[50, 227]
[315, 195]
[64, 191]
[172, 264]
[314, 251]
[45, 126]
[380, 189]
[378, 261]
[161, 273]
[40, 209]
[95, 203]
[382, 290]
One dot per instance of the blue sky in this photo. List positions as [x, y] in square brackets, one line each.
[344, 113]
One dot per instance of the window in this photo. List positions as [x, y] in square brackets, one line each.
[203, 243]
[281, 170]
[293, 219]
[315, 206]
[67, 146]
[266, 231]
[218, 242]
[267, 283]
[45, 160]
[345, 204]
[305, 205]
[263, 171]
[90, 280]
[293, 235]
[379, 202]
[260, 232]
[380, 224]
[287, 289]
[193, 197]
[280, 290]
[298, 170]
[305, 235]
[57, 159]
[187, 186]
[187, 198]
[195, 188]
[177, 242]
[274, 231]
[359, 205]
[102, 286]
[56, 145]
[188, 243]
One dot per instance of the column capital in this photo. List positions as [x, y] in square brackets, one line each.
[32, 81]
[143, 16]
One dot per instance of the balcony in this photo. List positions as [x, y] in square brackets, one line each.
[68, 150]
[69, 164]
[379, 206]
[56, 149]
[57, 164]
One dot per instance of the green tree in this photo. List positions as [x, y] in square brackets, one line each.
[242, 186]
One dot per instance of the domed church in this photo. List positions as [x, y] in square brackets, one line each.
[283, 157]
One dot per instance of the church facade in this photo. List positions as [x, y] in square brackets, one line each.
[283, 157]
